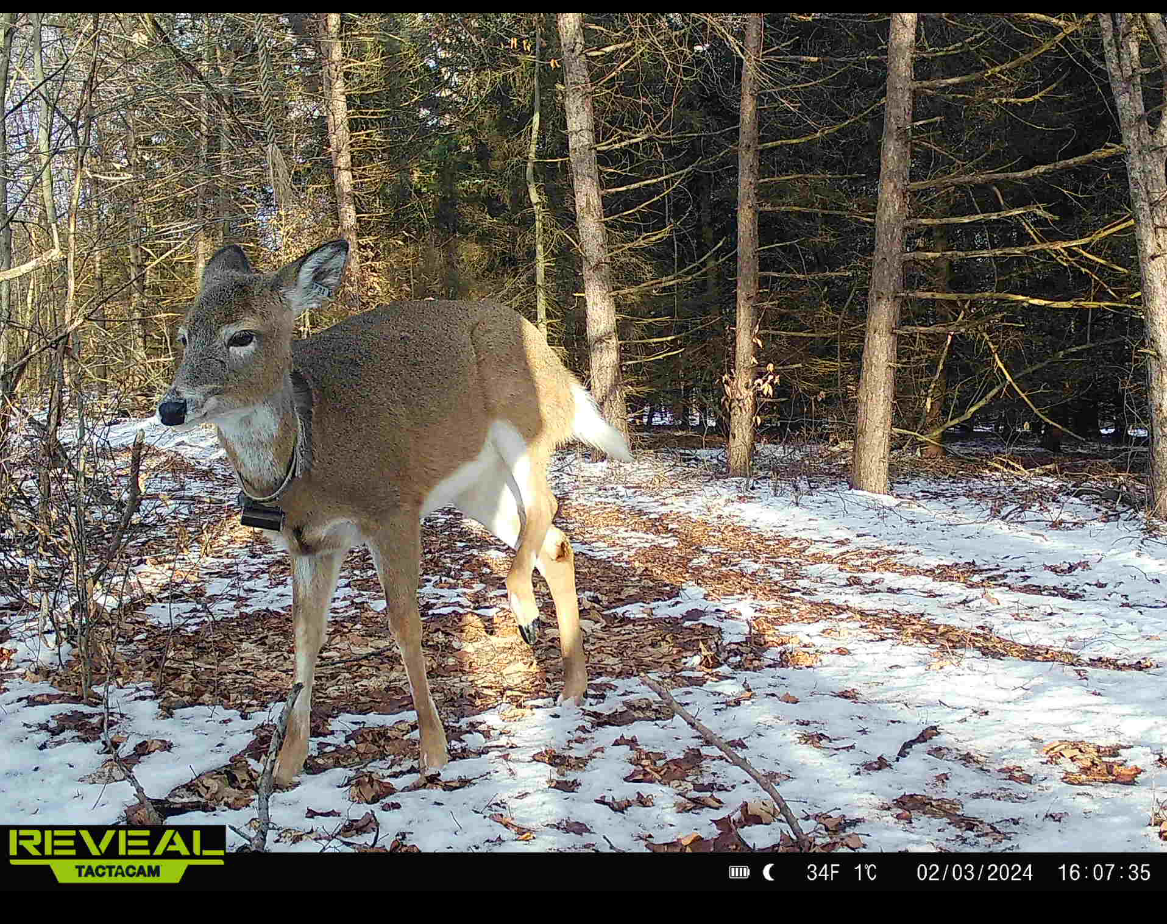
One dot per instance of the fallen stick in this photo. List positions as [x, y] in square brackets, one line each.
[804, 842]
[147, 813]
[133, 502]
[259, 840]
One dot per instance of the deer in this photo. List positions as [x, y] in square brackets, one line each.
[351, 436]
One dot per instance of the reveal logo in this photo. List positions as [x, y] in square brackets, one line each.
[117, 854]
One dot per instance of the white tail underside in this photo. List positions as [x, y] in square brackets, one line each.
[592, 429]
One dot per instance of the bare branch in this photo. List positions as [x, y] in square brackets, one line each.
[804, 842]
[975, 179]
[1019, 251]
[259, 840]
[1014, 297]
[981, 216]
[31, 266]
[1041, 49]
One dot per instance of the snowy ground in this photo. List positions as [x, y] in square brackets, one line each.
[970, 665]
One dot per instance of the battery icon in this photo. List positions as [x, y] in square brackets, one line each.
[739, 872]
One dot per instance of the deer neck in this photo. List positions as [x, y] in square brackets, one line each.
[261, 442]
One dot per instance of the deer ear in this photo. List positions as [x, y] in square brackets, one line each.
[314, 277]
[229, 259]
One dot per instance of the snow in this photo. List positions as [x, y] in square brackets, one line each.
[1007, 623]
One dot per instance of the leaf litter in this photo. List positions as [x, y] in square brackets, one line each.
[910, 671]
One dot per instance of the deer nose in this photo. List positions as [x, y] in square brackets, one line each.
[172, 413]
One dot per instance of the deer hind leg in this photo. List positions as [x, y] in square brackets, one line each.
[525, 474]
[493, 502]
[313, 582]
[557, 565]
[397, 556]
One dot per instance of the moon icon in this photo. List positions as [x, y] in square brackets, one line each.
[766, 872]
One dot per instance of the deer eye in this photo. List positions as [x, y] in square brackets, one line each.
[242, 339]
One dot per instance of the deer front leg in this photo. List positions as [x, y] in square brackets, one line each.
[313, 582]
[397, 555]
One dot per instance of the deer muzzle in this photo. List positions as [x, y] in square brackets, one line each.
[172, 412]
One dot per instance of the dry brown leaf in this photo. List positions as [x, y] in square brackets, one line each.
[366, 824]
[369, 789]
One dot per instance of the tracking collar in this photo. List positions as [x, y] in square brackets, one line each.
[259, 512]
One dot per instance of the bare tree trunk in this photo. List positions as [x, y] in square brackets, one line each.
[85, 120]
[705, 203]
[743, 397]
[137, 261]
[683, 406]
[603, 338]
[56, 356]
[533, 192]
[447, 227]
[7, 24]
[73, 371]
[223, 58]
[336, 104]
[203, 204]
[1122, 34]
[877, 379]
[7, 350]
[44, 135]
[938, 386]
[99, 293]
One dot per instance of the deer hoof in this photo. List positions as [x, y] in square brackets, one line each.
[530, 632]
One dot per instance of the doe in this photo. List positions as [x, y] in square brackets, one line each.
[353, 435]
